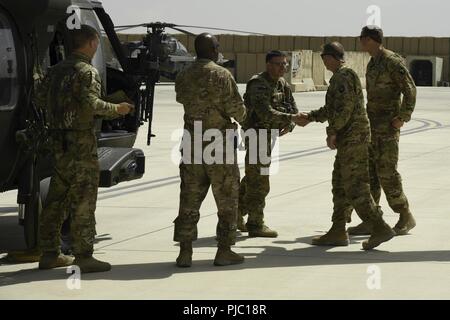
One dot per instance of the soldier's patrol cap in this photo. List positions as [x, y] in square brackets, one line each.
[373, 32]
[334, 49]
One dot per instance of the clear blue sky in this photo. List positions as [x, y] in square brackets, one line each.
[293, 17]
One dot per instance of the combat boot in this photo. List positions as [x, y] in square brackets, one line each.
[184, 259]
[87, 264]
[226, 257]
[362, 229]
[336, 236]
[241, 223]
[261, 231]
[381, 232]
[50, 260]
[405, 223]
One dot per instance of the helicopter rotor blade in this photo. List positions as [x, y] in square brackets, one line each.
[183, 31]
[222, 29]
[123, 29]
[130, 26]
[175, 27]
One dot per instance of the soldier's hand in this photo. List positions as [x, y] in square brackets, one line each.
[125, 108]
[284, 131]
[397, 123]
[331, 142]
[301, 119]
[304, 118]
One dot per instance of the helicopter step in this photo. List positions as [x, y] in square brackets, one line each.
[120, 164]
[116, 165]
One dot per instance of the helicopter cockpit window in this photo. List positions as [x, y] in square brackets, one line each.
[8, 65]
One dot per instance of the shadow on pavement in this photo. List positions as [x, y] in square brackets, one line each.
[271, 257]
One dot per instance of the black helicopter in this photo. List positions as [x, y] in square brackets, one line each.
[34, 36]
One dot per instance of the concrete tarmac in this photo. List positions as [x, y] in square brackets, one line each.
[135, 229]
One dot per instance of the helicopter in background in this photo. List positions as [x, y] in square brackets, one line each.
[173, 56]
[160, 54]
[37, 38]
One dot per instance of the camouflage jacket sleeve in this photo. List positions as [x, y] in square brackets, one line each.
[319, 115]
[232, 100]
[259, 97]
[342, 103]
[290, 99]
[401, 75]
[179, 87]
[41, 88]
[91, 92]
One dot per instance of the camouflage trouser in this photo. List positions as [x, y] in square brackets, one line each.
[351, 184]
[383, 171]
[255, 187]
[195, 182]
[73, 190]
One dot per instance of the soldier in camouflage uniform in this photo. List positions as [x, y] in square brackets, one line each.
[210, 98]
[270, 105]
[70, 95]
[348, 132]
[387, 78]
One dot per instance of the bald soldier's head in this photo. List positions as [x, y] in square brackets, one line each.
[207, 47]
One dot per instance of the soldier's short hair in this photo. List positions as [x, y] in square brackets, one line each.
[334, 49]
[373, 32]
[83, 35]
[274, 53]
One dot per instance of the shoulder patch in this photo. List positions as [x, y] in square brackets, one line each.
[256, 76]
[87, 77]
[396, 60]
[261, 90]
[257, 84]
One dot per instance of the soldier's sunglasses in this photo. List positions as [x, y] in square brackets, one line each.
[280, 64]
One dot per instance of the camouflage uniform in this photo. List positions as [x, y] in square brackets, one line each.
[70, 95]
[387, 77]
[270, 104]
[347, 119]
[209, 95]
